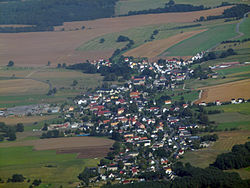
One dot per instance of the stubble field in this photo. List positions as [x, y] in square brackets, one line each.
[226, 92]
[36, 49]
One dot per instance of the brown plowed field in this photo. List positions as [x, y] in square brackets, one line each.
[155, 48]
[85, 147]
[226, 92]
[36, 49]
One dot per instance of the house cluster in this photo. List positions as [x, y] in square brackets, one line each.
[151, 135]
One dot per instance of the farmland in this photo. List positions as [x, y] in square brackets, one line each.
[22, 86]
[54, 169]
[239, 89]
[47, 160]
[202, 158]
[202, 41]
[32, 85]
[153, 49]
[36, 49]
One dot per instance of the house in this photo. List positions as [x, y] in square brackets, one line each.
[168, 102]
[112, 167]
[120, 111]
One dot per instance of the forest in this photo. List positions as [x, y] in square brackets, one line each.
[54, 12]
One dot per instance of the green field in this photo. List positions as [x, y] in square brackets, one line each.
[233, 116]
[124, 6]
[243, 108]
[202, 41]
[32, 164]
[244, 28]
[233, 70]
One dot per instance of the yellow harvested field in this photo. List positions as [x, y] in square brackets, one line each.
[22, 86]
[226, 92]
[37, 48]
[155, 48]
[25, 120]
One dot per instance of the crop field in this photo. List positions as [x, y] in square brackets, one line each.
[31, 85]
[202, 158]
[155, 48]
[243, 108]
[53, 169]
[22, 86]
[26, 119]
[202, 41]
[124, 6]
[61, 144]
[36, 49]
[226, 92]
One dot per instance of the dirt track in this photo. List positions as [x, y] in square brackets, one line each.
[36, 49]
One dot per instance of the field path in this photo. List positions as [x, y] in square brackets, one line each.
[237, 29]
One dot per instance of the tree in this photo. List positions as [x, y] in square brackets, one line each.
[11, 63]
[59, 65]
[102, 40]
[74, 83]
[19, 127]
[11, 135]
[49, 63]
[17, 178]
[36, 182]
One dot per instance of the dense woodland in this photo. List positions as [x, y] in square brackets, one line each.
[45, 13]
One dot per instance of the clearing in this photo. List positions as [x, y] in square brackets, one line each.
[155, 48]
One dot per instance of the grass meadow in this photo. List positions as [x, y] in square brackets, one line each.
[202, 41]
[32, 164]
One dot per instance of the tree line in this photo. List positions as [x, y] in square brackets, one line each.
[47, 13]
[170, 7]
[237, 12]
[239, 157]
[10, 131]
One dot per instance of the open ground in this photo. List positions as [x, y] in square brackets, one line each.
[36, 49]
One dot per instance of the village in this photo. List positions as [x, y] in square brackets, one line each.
[151, 131]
